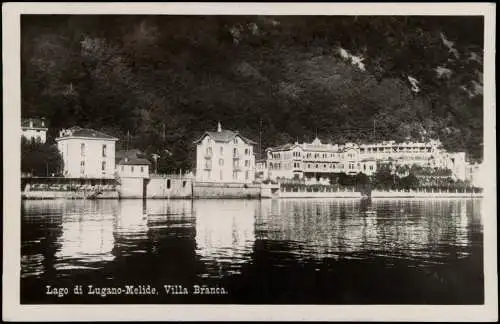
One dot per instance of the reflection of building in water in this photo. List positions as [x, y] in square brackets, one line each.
[320, 228]
[224, 233]
[87, 232]
[131, 218]
[172, 207]
[459, 214]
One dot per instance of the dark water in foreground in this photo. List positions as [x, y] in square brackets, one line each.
[270, 251]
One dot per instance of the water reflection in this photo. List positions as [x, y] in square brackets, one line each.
[247, 241]
[87, 238]
[224, 234]
[421, 230]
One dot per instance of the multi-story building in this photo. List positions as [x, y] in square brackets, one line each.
[87, 153]
[34, 129]
[224, 156]
[318, 160]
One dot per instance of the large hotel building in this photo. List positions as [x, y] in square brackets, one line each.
[318, 160]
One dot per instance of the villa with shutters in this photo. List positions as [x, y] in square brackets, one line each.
[87, 153]
[224, 156]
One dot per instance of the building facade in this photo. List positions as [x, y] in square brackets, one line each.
[318, 160]
[87, 153]
[34, 129]
[224, 156]
[133, 168]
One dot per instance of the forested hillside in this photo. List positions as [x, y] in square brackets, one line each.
[165, 79]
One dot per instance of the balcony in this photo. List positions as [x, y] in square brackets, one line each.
[236, 156]
[208, 155]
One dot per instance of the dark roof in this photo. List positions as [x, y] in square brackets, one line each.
[132, 153]
[86, 132]
[283, 147]
[36, 123]
[134, 161]
[224, 136]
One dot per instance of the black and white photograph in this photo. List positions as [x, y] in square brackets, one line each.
[248, 157]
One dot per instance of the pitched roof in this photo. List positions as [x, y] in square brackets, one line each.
[134, 161]
[283, 147]
[132, 153]
[224, 136]
[84, 132]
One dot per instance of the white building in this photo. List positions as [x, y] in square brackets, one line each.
[224, 156]
[34, 129]
[87, 153]
[133, 168]
[317, 159]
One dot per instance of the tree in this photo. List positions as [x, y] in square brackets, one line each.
[40, 159]
[409, 182]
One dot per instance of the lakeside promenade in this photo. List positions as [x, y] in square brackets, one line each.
[178, 187]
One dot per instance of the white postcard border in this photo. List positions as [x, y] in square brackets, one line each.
[13, 310]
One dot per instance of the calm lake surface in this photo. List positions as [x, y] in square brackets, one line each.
[336, 251]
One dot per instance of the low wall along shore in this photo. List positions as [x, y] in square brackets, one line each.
[169, 187]
[226, 190]
[48, 194]
[423, 194]
[182, 187]
[156, 187]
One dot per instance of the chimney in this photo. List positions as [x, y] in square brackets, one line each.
[219, 127]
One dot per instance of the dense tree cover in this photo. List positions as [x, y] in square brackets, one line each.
[40, 159]
[165, 79]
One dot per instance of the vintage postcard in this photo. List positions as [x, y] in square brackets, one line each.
[244, 161]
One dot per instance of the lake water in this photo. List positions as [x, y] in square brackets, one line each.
[336, 251]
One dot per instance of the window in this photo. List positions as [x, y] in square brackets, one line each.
[246, 175]
[209, 151]
[317, 166]
[103, 166]
[235, 175]
[235, 152]
[168, 184]
[221, 162]
[246, 151]
[123, 168]
[221, 150]
[82, 163]
[142, 169]
[247, 163]
[132, 169]
[235, 141]
[208, 164]
[183, 184]
[104, 150]
[82, 149]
